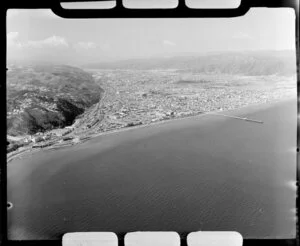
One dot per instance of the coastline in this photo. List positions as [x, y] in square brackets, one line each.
[232, 113]
[249, 155]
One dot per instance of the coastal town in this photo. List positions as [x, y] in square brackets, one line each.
[133, 98]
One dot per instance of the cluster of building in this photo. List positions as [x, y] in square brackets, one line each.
[141, 97]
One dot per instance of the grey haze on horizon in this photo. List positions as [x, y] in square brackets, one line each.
[41, 36]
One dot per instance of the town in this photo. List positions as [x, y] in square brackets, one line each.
[133, 98]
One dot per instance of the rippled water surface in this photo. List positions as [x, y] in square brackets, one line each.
[202, 173]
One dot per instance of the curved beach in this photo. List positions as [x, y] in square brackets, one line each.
[207, 172]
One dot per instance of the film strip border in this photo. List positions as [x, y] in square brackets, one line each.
[181, 11]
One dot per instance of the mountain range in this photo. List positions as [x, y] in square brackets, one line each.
[251, 63]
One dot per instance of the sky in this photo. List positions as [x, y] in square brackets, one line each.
[41, 35]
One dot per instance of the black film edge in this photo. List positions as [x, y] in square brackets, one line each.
[181, 11]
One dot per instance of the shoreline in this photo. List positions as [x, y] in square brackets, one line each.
[188, 117]
[30, 151]
[196, 150]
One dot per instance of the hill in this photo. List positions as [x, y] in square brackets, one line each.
[44, 97]
[237, 63]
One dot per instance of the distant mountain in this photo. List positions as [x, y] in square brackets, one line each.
[244, 63]
[44, 97]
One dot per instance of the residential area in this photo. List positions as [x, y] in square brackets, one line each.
[133, 98]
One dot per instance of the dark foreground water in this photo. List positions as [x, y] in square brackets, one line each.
[202, 173]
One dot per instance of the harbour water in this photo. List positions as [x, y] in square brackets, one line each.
[207, 172]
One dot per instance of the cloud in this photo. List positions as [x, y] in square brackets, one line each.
[51, 48]
[86, 45]
[54, 41]
[242, 35]
[169, 43]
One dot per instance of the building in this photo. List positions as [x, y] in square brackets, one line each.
[37, 139]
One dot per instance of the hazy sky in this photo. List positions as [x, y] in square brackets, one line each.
[41, 35]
